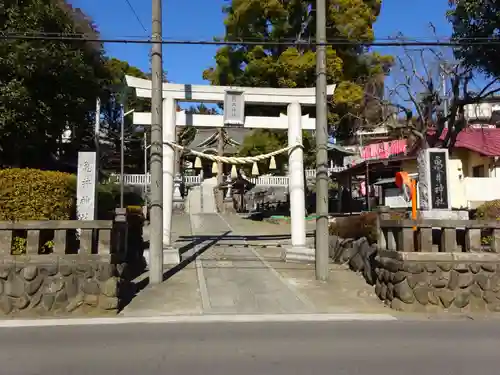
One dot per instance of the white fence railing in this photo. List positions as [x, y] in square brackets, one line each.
[134, 179]
[270, 180]
[141, 179]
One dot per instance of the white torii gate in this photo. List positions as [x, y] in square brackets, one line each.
[293, 121]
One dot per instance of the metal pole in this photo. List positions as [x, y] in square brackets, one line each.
[322, 253]
[156, 157]
[122, 155]
[445, 98]
[97, 132]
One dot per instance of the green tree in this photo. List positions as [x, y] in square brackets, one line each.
[46, 86]
[186, 134]
[115, 94]
[472, 19]
[352, 68]
[263, 141]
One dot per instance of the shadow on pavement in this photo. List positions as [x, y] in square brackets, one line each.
[197, 245]
[242, 238]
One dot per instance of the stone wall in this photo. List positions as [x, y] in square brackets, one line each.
[358, 254]
[432, 282]
[61, 284]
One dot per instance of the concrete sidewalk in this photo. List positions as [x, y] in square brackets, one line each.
[237, 269]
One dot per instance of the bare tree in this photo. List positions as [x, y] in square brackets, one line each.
[422, 77]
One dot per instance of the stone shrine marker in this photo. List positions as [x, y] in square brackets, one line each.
[86, 186]
[433, 180]
[438, 181]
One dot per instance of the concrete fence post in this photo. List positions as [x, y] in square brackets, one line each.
[382, 214]
[119, 234]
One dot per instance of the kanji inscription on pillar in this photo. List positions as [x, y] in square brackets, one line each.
[86, 185]
[434, 179]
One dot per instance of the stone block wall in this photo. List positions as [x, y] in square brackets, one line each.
[433, 282]
[59, 285]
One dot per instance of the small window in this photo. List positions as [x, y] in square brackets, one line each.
[478, 171]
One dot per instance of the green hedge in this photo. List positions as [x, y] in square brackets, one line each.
[488, 210]
[108, 198]
[32, 194]
[363, 225]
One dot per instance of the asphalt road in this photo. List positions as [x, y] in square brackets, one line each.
[368, 348]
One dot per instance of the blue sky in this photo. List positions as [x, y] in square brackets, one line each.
[203, 19]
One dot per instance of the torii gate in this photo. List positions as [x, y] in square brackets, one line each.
[235, 98]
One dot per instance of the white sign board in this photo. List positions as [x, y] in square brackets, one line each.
[234, 108]
[86, 186]
[394, 198]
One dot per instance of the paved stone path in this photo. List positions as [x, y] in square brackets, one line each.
[237, 269]
[236, 278]
[201, 199]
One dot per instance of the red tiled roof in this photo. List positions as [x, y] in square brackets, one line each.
[483, 141]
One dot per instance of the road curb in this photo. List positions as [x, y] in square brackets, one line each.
[205, 318]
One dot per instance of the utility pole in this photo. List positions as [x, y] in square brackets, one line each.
[156, 157]
[445, 96]
[97, 138]
[322, 253]
[122, 155]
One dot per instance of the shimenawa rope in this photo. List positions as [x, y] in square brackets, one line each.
[233, 160]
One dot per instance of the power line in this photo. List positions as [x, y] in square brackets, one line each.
[250, 42]
[136, 15]
[131, 38]
[250, 38]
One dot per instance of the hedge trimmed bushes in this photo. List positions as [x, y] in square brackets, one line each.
[488, 210]
[358, 226]
[32, 194]
[355, 227]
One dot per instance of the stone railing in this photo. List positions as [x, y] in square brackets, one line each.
[59, 272]
[432, 265]
[453, 236]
